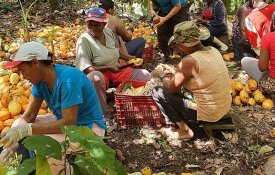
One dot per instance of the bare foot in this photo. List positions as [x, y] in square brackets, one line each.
[185, 135]
[177, 134]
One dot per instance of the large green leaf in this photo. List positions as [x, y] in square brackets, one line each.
[79, 134]
[44, 145]
[3, 169]
[42, 165]
[87, 166]
[25, 168]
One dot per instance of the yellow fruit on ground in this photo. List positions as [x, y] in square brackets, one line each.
[252, 84]
[22, 100]
[259, 97]
[246, 88]
[14, 107]
[244, 96]
[273, 132]
[268, 104]
[27, 92]
[18, 91]
[5, 99]
[8, 122]
[3, 63]
[42, 112]
[24, 108]
[5, 129]
[257, 92]
[4, 79]
[14, 78]
[251, 101]
[4, 115]
[146, 171]
[237, 85]
[1, 125]
[16, 116]
[237, 100]
[226, 57]
[44, 105]
[2, 54]
[231, 55]
[233, 92]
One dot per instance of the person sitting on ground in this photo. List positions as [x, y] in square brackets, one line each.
[241, 45]
[128, 47]
[263, 69]
[67, 91]
[202, 72]
[214, 18]
[97, 56]
[170, 13]
[258, 23]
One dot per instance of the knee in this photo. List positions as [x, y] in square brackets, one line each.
[96, 77]
[245, 61]
[140, 41]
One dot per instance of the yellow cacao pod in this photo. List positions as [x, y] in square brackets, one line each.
[14, 78]
[251, 101]
[14, 107]
[268, 104]
[244, 96]
[237, 100]
[252, 84]
[237, 85]
[259, 97]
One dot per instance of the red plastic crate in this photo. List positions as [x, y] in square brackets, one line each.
[136, 110]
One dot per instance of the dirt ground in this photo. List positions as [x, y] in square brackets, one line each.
[240, 153]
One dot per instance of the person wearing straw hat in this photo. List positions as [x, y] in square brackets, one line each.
[67, 91]
[202, 72]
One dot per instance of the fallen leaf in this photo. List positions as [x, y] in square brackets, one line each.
[259, 116]
[191, 166]
[265, 149]
[219, 171]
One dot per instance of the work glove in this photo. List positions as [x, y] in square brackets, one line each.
[8, 153]
[15, 134]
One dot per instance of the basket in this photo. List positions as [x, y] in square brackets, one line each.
[148, 54]
[136, 110]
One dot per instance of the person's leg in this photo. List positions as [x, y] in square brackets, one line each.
[214, 33]
[250, 66]
[174, 108]
[98, 80]
[140, 75]
[135, 47]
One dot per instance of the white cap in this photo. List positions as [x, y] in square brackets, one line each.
[27, 52]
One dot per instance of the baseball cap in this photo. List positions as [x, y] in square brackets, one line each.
[96, 14]
[27, 52]
[189, 34]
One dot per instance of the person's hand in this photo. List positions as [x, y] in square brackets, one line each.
[162, 21]
[201, 21]
[114, 69]
[15, 134]
[8, 153]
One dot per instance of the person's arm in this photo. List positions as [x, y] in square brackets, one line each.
[69, 116]
[263, 60]
[186, 70]
[172, 13]
[241, 15]
[101, 69]
[122, 31]
[153, 12]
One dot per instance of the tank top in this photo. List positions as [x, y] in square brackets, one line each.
[211, 88]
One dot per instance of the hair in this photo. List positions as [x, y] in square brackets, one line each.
[106, 4]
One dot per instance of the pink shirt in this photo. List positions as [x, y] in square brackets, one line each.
[269, 44]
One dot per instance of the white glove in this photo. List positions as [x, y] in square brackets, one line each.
[15, 134]
[7, 153]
